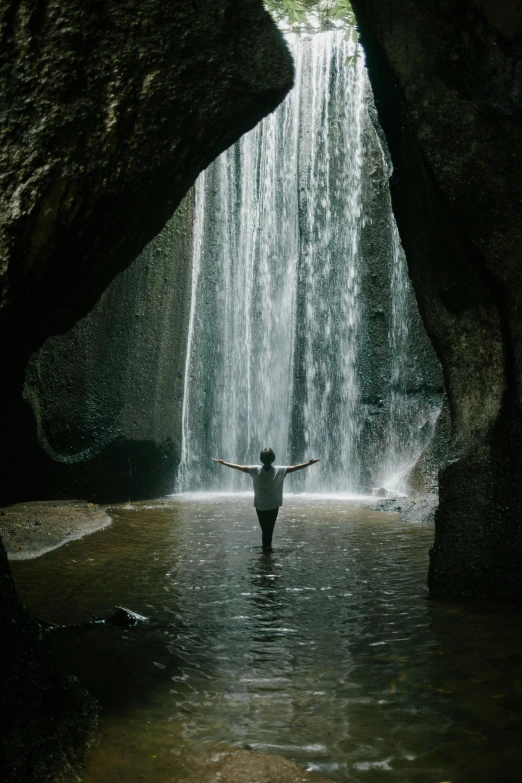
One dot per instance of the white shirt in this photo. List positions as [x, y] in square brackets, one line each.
[268, 486]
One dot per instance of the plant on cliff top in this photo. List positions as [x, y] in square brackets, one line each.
[312, 15]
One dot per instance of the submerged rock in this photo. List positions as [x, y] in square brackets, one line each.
[122, 616]
[380, 492]
[247, 766]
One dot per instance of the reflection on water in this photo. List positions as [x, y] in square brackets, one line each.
[326, 652]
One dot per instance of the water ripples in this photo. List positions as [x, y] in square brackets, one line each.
[327, 652]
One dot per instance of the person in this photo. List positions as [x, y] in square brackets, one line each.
[268, 489]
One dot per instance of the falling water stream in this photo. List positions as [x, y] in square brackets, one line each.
[275, 352]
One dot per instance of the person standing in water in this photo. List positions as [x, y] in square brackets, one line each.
[268, 489]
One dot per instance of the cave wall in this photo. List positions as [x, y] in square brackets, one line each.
[104, 400]
[447, 79]
[400, 395]
[111, 110]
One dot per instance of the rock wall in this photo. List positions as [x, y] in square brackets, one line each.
[447, 79]
[423, 479]
[400, 394]
[111, 110]
[105, 398]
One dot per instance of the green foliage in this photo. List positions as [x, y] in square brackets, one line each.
[309, 15]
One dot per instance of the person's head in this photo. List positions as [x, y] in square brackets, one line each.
[267, 456]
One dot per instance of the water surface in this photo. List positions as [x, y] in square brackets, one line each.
[327, 651]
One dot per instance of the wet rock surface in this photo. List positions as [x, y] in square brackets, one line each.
[424, 476]
[104, 400]
[420, 508]
[447, 80]
[111, 111]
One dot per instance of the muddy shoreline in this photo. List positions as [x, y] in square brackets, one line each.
[31, 529]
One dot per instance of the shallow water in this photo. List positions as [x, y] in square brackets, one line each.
[327, 651]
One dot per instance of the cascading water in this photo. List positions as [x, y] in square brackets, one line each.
[274, 344]
[240, 357]
[330, 176]
[401, 432]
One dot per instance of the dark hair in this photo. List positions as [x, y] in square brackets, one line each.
[267, 456]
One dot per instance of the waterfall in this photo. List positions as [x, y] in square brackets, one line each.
[330, 164]
[400, 430]
[274, 344]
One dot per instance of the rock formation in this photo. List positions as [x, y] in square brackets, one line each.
[104, 400]
[447, 79]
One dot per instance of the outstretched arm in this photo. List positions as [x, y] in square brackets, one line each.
[293, 468]
[242, 468]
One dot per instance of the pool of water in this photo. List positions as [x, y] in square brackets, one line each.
[326, 651]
